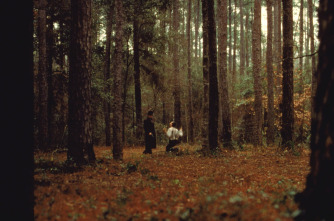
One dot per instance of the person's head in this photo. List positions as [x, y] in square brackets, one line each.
[150, 114]
[172, 124]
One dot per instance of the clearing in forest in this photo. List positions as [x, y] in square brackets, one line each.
[248, 184]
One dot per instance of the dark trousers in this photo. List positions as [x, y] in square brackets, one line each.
[171, 144]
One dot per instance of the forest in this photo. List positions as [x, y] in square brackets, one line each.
[246, 84]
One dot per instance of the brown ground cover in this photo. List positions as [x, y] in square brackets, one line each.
[249, 184]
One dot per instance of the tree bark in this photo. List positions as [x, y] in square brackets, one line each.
[213, 81]
[256, 51]
[222, 62]
[80, 125]
[107, 63]
[242, 40]
[316, 201]
[136, 60]
[311, 36]
[190, 84]
[205, 75]
[117, 89]
[177, 90]
[270, 77]
[42, 79]
[287, 84]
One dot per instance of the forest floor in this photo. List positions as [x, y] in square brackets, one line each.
[248, 184]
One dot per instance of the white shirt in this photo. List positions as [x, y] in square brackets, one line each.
[173, 133]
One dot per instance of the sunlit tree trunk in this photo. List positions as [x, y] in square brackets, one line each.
[190, 85]
[270, 76]
[42, 120]
[256, 58]
[230, 37]
[107, 105]
[316, 201]
[311, 36]
[80, 125]
[118, 85]
[222, 64]
[234, 65]
[287, 84]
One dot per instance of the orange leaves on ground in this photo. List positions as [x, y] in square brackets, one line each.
[253, 184]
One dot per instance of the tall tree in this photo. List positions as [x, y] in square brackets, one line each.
[176, 65]
[256, 58]
[42, 78]
[205, 105]
[242, 40]
[107, 62]
[222, 64]
[301, 48]
[287, 84]
[234, 61]
[311, 36]
[230, 36]
[136, 60]
[117, 89]
[270, 75]
[80, 125]
[213, 82]
[190, 84]
[277, 41]
[316, 201]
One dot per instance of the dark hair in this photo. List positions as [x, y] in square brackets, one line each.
[173, 123]
[150, 113]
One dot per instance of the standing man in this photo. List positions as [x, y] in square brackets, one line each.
[150, 140]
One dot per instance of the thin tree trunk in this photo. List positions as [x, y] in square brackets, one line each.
[230, 37]
[256, 51]
[190, 85]
[42, 79]
[117, 90]
[234, 66]
[270, 76]
[316, 201]
[242, 41]
[222, 62]
[213, 81]
[107, 63]
[287, 84]
[177, 90]
[311, 36]
[137, 83]
[301, 48]
[205, 106]
[247, 56]
[80, 113]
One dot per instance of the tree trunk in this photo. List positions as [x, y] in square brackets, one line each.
[247, 56]
[222, 62]
[256, 51]
[270, 77]
[242, 41]
[80, 125]
[301, 48]
[117, 90]
[213, 82]
[190, 84]
[311, 36]
[42, 79]
[287, 84]
[234, 65]
[136, 61]
[316, 201]
[205, 106]
[230, 37]
[107, 105]
[177, 90]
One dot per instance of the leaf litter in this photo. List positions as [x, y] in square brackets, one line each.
[252, 184]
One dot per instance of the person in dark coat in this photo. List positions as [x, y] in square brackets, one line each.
[150, 138]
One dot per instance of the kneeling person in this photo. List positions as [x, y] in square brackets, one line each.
[173, 134]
